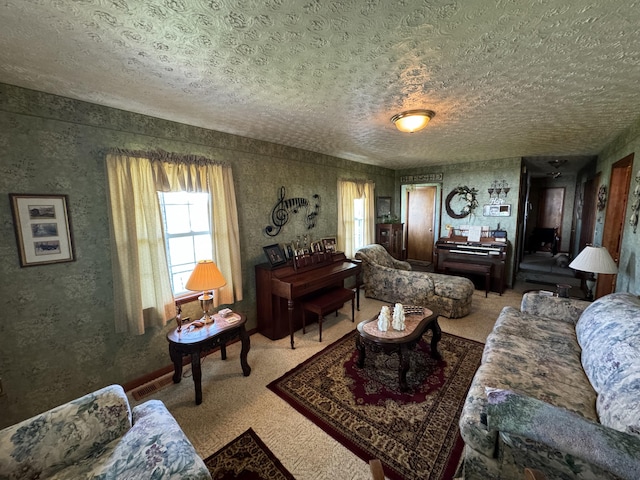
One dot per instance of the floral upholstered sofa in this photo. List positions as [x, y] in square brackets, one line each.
[98, 436]
[558, 390]
[391, 280]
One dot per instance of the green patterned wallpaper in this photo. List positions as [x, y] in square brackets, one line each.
[57, 338]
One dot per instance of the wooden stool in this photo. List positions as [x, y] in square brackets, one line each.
[327, 302]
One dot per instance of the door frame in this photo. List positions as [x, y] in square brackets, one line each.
[437, 205]
[615, 219]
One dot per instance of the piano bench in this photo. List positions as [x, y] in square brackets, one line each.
[325, 303]
[477, 268]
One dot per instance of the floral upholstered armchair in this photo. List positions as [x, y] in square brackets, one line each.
[391, 280]
[98, 436]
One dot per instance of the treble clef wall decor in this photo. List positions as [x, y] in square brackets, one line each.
[282, 209]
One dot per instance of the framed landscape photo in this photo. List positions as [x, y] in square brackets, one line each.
[274, 254]
[43, 231]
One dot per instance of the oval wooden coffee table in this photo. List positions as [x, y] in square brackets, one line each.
[417, 321]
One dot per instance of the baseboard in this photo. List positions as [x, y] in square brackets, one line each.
[150, 388]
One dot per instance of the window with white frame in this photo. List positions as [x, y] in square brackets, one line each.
[355, 215]
[358, 223]
[187, 233]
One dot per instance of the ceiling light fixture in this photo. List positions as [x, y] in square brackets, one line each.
[557, 163]
[412, 120]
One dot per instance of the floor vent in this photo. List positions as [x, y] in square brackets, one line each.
[152, 387]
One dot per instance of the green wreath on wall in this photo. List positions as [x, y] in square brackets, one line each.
[467, 195]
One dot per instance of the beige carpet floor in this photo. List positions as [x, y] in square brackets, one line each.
[233, 403]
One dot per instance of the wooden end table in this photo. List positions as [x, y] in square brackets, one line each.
[416, 324]
[193, 341]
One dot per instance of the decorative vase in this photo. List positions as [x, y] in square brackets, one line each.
[398, 317]
[384, 319]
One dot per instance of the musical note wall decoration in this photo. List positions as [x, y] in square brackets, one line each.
[286, 206]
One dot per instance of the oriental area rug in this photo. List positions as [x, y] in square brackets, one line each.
[415, 434]
[246, 458]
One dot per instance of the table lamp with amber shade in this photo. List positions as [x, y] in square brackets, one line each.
[204, 278]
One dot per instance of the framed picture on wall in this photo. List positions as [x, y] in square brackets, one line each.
[42, 229]
[383, 206]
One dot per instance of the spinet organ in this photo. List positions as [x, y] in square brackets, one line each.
[488, 252]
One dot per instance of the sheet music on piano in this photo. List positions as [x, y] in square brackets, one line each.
[463, 231]
[475, 232]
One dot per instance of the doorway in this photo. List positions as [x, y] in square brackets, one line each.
[420, 205]
[551, 209]
[588, 213]
[614, 220]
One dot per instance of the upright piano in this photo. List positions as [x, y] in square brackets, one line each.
[489, 252]
[280, 289]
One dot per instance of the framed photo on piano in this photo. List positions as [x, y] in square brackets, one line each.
[329, 244]
[274, 254]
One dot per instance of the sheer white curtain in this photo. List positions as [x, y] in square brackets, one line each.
[194, 175]
[142, 289]
[348, 191]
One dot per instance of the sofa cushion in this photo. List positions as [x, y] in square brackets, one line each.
[563, 436]
[43, 445]
[614, 407]
[543, 305]
[449, 286]
[536, 356]
[610, 338]
[378, 254]
[609, 334]
[155, 447]
[538, 330]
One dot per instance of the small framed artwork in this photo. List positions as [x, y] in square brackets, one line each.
[496, 210]
[43, 231]
[274, 254]
[383, 206]
[289, 251]
[329, 244]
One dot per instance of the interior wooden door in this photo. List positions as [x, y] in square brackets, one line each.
[614, 220]
[421, 203]
[550, 208]
[588, 214]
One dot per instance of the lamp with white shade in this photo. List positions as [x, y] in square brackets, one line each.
[594, 260]
[205, 278]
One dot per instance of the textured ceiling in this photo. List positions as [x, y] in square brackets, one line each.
[505, 78]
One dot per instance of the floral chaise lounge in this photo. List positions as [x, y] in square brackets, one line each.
[98, 436]
[558, 390]
[391, 280]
